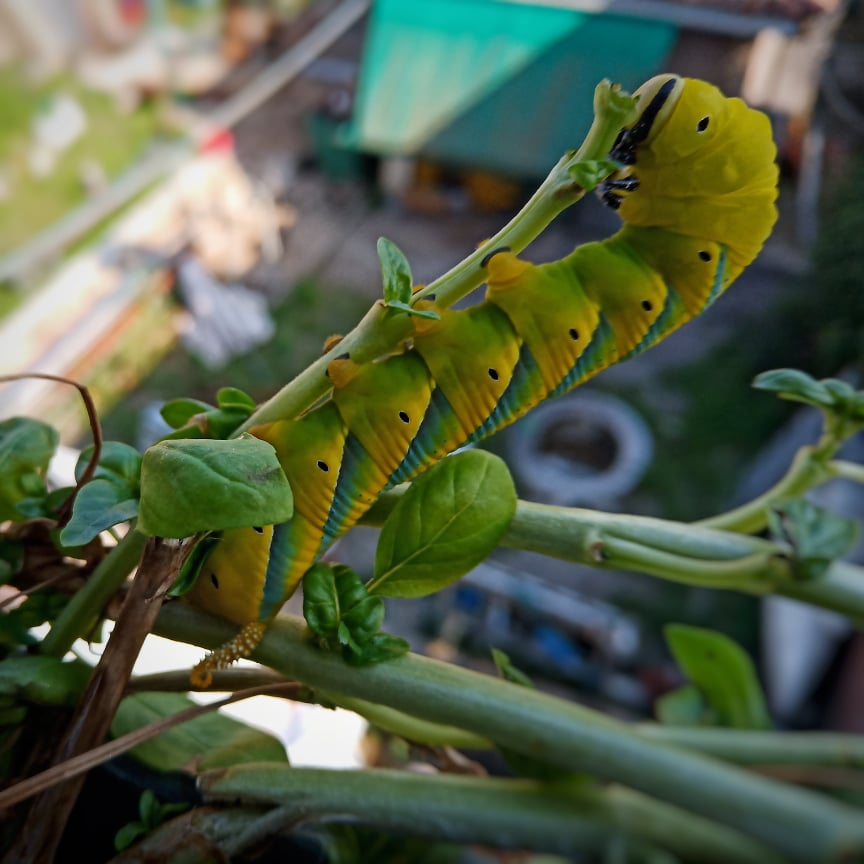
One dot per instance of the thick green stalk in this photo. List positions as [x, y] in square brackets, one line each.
[801, 825]
[753, 747]
[516, 814]
[809, 468]
[86, 607]
[382, 330]
[676, 551]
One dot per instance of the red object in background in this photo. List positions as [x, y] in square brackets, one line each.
[216, 142]
[132, 12]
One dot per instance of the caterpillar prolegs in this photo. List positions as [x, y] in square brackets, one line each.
[696, 191]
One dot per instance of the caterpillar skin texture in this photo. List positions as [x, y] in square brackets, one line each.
[696, 193]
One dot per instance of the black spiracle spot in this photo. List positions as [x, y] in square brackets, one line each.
[704, 255]
[493, 374]
[257, 529]
[323, 465]
[574, 334]
[702, 125]
[403, 416]
[214, 580]
[647, 305]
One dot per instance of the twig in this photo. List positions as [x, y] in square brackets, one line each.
[95, 428]
[84, 762]
[40, 837]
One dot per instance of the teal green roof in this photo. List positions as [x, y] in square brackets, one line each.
[502, 85]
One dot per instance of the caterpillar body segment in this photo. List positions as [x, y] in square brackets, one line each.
[540, 332]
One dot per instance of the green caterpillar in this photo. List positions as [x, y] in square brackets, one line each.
[696, 191]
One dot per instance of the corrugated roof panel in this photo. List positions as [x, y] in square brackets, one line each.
[427, 61]
[524, 126]
[501, 85]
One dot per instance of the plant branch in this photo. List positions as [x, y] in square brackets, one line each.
[77, 765]
[691, 554]
[382, 330]
[47, 818]
[520, 814]
[802, 825]
[85, 607]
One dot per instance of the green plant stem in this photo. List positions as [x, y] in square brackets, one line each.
[804, 826]
[749, 747]
[84, 609]
[691, 554]
[382, 330]
[810, 467]
[408, 727]
[518, 814]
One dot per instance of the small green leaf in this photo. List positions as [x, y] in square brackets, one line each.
[148, 808]
[15, 625]
[592, 172]
[191, 485]
[44, 680]
[26, 448]
[343, 617]
[684, 706]
[724, 673]
[99, 505]
[210, 741]
[395, 272]
[178, 412]
[380, 648]
[448, 521]
[795, 385]
[231, 397]
[193, 419]
[410, 310]
[337, 607]
[815, 536]
[508, 671]
[128, 834]
[118, 462]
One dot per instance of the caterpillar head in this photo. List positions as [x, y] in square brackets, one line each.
[657, 99]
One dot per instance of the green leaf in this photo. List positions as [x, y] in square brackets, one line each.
[128, 834]
[590, 173]
[684, 706]
[44, 680]
[193, 419]
[99, 505]
[118, 462]
[337, 608]
[343, 617]
[724, 673]
[211, 741]
[26, 448]
[815, 536]
[108, 499]
[148, 808]
[35, 610]
[231, 397]
[191, 485]
[379, 648]
[795, 385]
[508, 671]
[178, 412]
[395, 272]
[448, 521]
